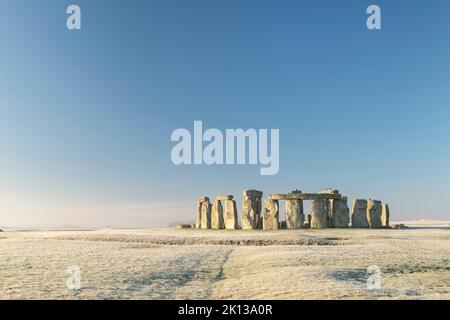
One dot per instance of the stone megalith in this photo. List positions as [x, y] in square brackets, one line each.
[374, 214]
[206, 215]
[359, 214]
[230, 215]
[295, 217]
[340, 213]
[271, 214]
[319, 217]
[385, 215]
[329, 206]
[251, 209]
[198, 220]
[217, 221]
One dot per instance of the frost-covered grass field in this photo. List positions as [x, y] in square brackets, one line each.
[196, 264]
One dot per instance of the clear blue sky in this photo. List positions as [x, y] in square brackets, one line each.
[86, 116]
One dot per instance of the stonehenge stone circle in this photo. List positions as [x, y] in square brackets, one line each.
[217, 221]
[385, 215]
[271, 215]
[231, 215]
[319, 216]
[359, 214]
[329, 210]
[295, 217]
[374, 214]
[251, 209]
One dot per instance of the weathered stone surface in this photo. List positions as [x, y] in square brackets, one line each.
[374, 214]
[319, 214]
[252, 193]
[202, 199]
[278, 196]
[230, 215]
[206, 215]
[271, 215]
[224, 197]
[250, 216]
[340, 213]
[385, 215]
[294, 214]
[198, 220]
[313, 196]
[359, 214]
[217, 221]
[329, 191]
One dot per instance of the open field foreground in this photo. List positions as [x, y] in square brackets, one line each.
[195, 264]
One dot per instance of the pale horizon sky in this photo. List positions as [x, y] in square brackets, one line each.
[86, 116]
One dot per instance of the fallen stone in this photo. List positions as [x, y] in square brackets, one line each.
[294, 214]
[359, 214]
[319, 214]
[271, 215]
[230, 215]
[217, 221]
[374, 214]
[400, 226]
[385, 215]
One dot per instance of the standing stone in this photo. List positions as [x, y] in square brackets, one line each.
[340, 213]
[319, 218]
[206, 215]
[217, 221]
[251, 209]
[198, 220]
[231, 218]
[329, 206]
[374, 214]
[271, 215]
[359, 214]
[294, 214]
[385, 215]
[250, 219]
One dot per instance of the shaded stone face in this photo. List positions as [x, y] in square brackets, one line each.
[271, 215]
[340, 213]
[230, 215]
[250, 217]
[359, 214]
[319, 217]
[374, 214]
[294, 214]
[217, 221]
[385, 215]
[206, 215]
